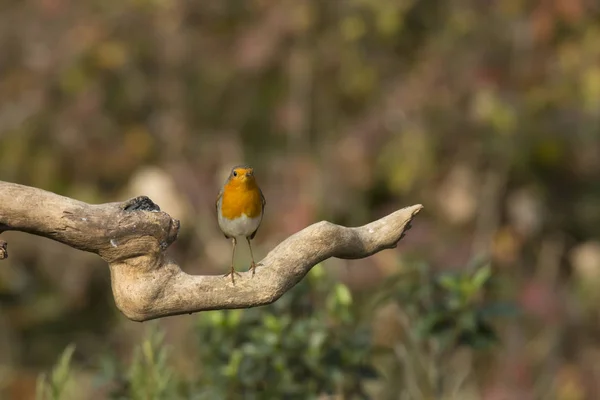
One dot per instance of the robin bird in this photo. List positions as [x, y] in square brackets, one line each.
[240, 207]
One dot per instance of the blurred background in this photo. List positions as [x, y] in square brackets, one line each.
[485, 112]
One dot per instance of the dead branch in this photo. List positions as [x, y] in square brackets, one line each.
[133, 236]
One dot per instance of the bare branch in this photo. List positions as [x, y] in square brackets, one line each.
[132, 238]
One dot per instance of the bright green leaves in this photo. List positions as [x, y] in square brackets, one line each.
[56, 386]
[308, 342]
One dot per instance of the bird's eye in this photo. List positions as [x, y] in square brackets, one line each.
[234, 173]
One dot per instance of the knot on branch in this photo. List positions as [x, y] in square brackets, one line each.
[172, 233]
[140, 203]
[138, 230]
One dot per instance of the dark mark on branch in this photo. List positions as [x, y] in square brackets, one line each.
[141, 203]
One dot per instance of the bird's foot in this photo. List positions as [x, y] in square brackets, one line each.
[233, 273]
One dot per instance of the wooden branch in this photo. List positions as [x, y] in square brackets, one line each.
[132, 238]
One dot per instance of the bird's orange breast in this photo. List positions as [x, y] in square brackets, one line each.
[241, 199]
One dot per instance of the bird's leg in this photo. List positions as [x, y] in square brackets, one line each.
[253, 265]
[232, 272]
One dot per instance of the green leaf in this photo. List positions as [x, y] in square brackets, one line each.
[343, 295]
[148, 351]
[215, 317]
[481, 276]
[316, 340]
[272, 323]
[481, 338]
[234, 317]
[467, 322]
[231, 369]
[449, 281]
[54, 386]
[317, 272]
[41, 389]
[61, 372]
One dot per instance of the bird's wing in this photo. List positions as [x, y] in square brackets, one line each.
[262, 199]
[218, 198]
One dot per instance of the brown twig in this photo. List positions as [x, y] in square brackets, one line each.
[132, 238]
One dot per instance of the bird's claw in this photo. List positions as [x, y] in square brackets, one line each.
[232, 273]
[253, 266]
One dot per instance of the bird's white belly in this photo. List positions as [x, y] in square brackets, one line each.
[239, 227]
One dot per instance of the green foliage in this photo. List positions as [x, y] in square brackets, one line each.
[456, 317]
[450, 306]
[55, 386]
[149, 376]
[307, 343]
[442, 312]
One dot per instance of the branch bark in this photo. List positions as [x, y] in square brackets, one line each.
[133, 236]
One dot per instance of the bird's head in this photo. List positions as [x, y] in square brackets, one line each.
[242, 174]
